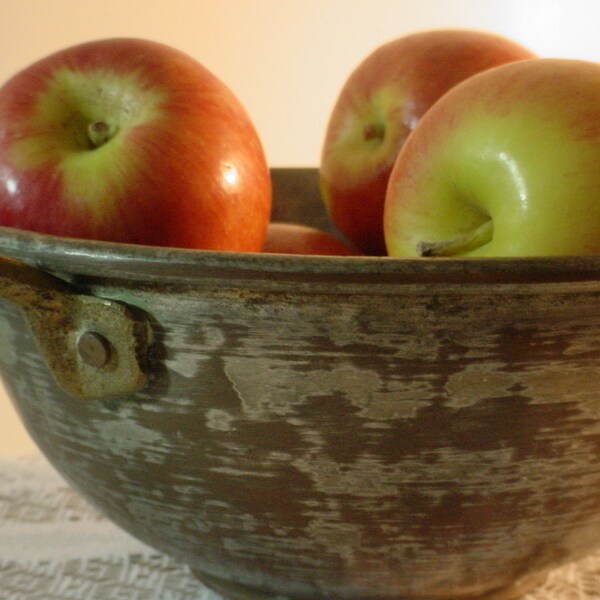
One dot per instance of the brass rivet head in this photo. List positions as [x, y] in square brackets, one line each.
[94, 349]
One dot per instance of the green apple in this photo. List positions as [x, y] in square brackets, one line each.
[505, 164]
[378, 107]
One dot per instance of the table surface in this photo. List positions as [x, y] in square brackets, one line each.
[54, 546]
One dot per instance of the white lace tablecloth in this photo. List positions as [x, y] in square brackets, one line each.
[54, 546]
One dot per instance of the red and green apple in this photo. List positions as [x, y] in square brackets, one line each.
[378, 107]
[132, 141]
[505, 164]
[295, 238]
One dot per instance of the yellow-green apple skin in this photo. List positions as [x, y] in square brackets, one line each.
[513, 152]
[378, 107]
[129, 140]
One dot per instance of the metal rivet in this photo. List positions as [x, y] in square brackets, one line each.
[94, 349]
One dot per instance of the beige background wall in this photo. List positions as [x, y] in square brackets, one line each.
[285, 59]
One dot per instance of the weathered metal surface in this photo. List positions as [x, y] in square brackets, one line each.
[347, 428]
[64, 323]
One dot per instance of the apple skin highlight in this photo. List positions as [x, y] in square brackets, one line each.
[517, 146]
[182, 164]
[378, 107]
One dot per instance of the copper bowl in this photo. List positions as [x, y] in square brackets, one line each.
[311, 428]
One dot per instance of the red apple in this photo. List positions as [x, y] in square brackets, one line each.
[293, 238]
[379, 105]
[133, 141]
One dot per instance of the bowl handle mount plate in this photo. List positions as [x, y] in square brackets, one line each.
[95, 348]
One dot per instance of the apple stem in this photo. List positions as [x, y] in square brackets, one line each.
[100, 132]
[373, 131]
[459, 245]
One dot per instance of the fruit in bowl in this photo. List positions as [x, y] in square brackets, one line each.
[133, 141]
[505, 164]
[364, 428]
[297, 238]
[379, 105]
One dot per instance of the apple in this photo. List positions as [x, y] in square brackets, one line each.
[505, 164]
[378, 107]
[133, 141]
[295, 238]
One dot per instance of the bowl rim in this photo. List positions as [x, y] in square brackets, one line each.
[81, 257]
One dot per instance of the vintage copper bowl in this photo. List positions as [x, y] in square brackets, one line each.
[311, 428]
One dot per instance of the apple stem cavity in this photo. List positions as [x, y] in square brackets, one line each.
[100, 132]
[373, 131]
[459, 245]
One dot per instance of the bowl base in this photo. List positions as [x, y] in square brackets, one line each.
[230, 590]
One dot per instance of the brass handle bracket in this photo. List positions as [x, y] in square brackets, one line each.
[95, 348]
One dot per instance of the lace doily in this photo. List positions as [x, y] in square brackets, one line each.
[54, 546]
